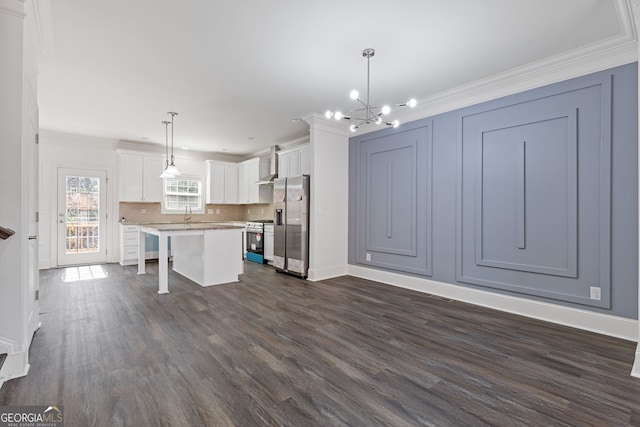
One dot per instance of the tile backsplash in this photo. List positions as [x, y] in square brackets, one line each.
[133, 212]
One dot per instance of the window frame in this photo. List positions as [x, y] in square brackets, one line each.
[165, 209]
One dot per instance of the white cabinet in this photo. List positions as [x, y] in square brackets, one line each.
[139, 178]
[222, 182]
[129, 241]
[151, 182]
[243, 182]
[249, 172]
[283, 164]
[268, 242]
[294, 162]
[130, 178]
[305, 160]
[129, 244]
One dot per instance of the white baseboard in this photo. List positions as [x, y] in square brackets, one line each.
[316, 274]
[17, 363]
[605, 324]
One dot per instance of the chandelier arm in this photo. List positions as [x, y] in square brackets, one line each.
[373, 115]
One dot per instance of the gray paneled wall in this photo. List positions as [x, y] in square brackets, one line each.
[533, 194]
[394, 201]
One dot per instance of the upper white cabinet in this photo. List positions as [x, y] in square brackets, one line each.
[222, 182]
[249, 172]
[294, 162]
[139, 178]
[304, 154]
[151, 182]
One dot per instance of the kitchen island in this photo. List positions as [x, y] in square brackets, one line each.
[206, 253]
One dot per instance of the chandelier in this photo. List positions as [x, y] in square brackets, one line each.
[170, 169]
[371, 114]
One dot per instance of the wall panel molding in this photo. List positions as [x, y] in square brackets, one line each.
[394, 199]
[566, 263]
[381, 198]
[573, 202]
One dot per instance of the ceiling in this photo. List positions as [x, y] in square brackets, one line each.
[240, 73]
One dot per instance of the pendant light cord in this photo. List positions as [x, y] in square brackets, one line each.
[172, 116]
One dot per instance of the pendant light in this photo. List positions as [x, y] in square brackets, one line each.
[165, 172]
[371, 114]
[171, 168]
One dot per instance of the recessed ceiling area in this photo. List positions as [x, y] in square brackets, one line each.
[241, 73]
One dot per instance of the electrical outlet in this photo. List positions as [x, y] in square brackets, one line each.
[368, 257]
[261, 211]
[595, 293]
[217, 211]
[248, 211]
[210, 211]
[143, 211]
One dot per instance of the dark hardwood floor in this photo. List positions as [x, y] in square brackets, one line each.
[276, 350]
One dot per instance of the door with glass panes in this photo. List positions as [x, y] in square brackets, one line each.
[81, 216]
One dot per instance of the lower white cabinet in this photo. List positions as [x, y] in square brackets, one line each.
[268, 242]
[129, 235]
[128, 244]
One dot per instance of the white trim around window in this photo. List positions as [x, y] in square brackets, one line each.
[182, 192]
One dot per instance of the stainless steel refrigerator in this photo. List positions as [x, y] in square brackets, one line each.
[291, 225]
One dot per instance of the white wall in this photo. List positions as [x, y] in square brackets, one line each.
[11, 169]
[329, 232]
[20, 24]
[60, 150]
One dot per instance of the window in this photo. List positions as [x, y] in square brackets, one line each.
[182, 192]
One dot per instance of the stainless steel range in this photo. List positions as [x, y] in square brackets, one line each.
[255, 240]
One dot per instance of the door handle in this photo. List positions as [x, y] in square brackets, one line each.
[33, 237]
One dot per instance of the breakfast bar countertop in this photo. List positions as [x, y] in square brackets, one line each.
[207, 253]
[180, 226]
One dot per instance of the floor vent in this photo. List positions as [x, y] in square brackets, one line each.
[439, 298]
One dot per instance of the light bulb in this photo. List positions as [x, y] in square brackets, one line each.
[395, 123]
[354, 95]
[378, 120]
[386, 109]
[338, 115]
[353, 128]
[412, 102]
[328, 114]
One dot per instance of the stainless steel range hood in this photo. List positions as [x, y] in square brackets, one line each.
[273, 168]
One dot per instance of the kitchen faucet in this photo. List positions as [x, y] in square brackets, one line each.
[187, 214]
